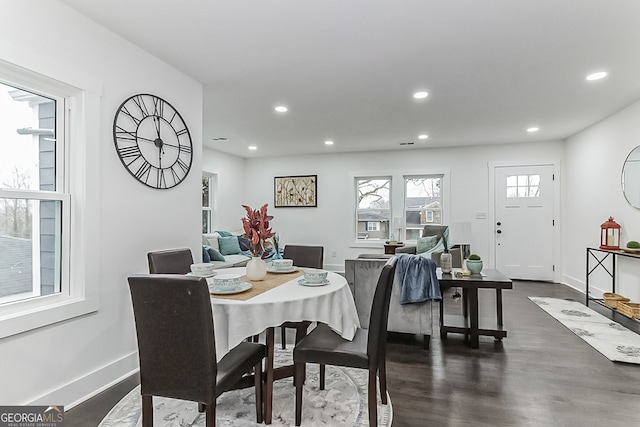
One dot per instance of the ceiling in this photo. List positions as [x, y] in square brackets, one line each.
[347, 69]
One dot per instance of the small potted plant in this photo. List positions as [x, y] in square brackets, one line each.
[474, 264]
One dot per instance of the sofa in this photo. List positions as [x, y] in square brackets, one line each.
[224, 250]
[431, 245]
[362, 276]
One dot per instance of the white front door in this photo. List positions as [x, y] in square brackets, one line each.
[524, 222]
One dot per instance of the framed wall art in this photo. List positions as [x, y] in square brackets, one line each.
[295, 191]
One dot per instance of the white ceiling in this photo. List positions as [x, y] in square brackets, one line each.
[347, 69]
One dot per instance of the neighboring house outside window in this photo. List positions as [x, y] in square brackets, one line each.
[373, 207]
[422, 203]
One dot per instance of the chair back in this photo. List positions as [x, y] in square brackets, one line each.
[305, 256]
[377, 335]
[176, 343]
[172, 261]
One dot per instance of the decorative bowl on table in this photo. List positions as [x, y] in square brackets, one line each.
[315, 276]
[282, 264]
[474, 266]
[226, 282]
[203, 269]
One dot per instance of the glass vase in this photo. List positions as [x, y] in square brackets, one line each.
[446, 262]
[256, 269]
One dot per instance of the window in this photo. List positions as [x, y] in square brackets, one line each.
[208, 190]
[373, 207]
[523, 186]
[46, 274]
[373, 226]
[422, 203]
[32, 194]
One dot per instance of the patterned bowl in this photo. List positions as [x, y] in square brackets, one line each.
[202, 269]
[282, 264]
[315, 276]
[226, 282]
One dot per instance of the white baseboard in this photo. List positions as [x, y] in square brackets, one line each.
[89, 385]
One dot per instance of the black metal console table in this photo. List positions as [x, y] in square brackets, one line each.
[599, 256]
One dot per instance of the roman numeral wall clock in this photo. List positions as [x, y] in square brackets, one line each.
[152, 141]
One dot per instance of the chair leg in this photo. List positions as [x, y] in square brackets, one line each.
[283, 337]
[210, 415]
[299, 381]
[382, 377]
[322, 375]
[257, 372]
[147, 411]
[372, 399]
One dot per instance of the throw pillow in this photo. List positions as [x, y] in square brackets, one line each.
[224, 233]
[229, 245]
[215, 255]
[212, 239]
[426, 244]
[205, 255]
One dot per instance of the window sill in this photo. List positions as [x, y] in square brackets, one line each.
[37, 317]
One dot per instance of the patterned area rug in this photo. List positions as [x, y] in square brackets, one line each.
[613, 340]
[343, 402]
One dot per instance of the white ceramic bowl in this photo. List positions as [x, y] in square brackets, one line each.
[282, 264]
[202, 269]
[315, 276]
[226, 282]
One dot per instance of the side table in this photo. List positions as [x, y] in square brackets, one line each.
[390, 248]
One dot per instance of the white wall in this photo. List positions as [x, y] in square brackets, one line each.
[592, 193]
[65, 362]
[331, 224]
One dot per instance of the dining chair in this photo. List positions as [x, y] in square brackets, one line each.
[172, 261]
[302, 256]
[176, 346]
[367, 350]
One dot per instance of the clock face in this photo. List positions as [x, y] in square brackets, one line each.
[152, 141]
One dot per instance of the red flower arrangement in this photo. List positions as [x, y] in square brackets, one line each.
[256, 229]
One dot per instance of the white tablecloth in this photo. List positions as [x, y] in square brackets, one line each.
[235, 320]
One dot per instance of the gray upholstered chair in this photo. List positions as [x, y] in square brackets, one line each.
[367, 350]
[302, 256]
[172, 261]
[176, 346]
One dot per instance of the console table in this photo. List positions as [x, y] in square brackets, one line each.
[469, 325]
[599, 256]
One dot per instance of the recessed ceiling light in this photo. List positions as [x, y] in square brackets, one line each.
[533, 129]
[328, 143]
[423, 136]
[420, 95]
[252, 147]
[281, 109]
[597, 76]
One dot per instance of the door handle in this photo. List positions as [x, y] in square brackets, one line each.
[499, 231]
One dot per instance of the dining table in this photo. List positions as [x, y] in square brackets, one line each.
[282, 296]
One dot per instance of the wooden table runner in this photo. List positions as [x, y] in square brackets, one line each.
[259, 286]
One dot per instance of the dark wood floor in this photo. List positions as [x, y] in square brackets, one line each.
[540, 375]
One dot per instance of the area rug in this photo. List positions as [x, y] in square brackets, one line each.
[343, 402]
[613, 340]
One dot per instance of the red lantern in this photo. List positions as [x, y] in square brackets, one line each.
[610, 235]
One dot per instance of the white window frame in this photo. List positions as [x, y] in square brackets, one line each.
[428, 213]
[77, 189]
[213, 185]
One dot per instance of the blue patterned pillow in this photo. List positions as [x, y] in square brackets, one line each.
[229, 245]
[426, 243]
[205, 254]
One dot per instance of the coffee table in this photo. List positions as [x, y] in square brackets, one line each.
[468, 323]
